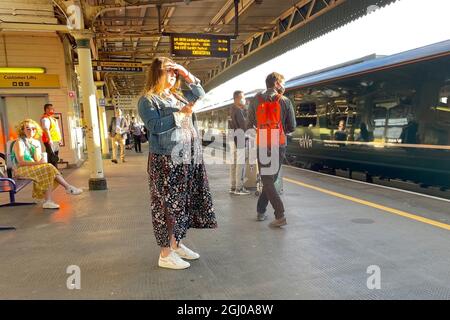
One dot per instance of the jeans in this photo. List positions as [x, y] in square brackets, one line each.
[137, 143]
[268, 178]
[238, 167]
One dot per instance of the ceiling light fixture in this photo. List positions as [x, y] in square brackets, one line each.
[22, 70]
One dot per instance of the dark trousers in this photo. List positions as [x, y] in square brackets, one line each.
[137, 143]
[52, 155]
[269, 192]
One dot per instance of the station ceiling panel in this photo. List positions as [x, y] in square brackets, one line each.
[139, 30]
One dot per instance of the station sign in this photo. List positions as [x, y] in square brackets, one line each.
[116, 66]
[200, 45]
[31, 80]
[125, 101]
[102, 102]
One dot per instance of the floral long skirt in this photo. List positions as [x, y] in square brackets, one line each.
[180, 198]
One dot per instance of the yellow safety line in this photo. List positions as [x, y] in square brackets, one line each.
[373, 205]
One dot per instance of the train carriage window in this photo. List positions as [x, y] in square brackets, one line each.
[379, 122]
[341, 117]
[438, 130]
[306, 115]
[401, 125]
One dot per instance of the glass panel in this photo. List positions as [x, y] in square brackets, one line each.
[400, 130]
[379, 119]
[306, 115]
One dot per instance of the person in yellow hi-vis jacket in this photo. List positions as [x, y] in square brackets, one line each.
[51, 134]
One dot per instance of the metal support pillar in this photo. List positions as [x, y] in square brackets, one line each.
[97, 179]
[104, 135]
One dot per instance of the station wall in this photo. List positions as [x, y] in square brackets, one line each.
[52, 52]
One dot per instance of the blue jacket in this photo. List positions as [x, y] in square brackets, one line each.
[158, 118]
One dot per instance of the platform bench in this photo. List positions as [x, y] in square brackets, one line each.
[13, 186]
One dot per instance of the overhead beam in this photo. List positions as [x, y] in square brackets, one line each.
[259, 40]
[244, 5]
[100, 10]
[226, 14]
[140, 22]
[13, 26]
[168, 14]
[262, 47]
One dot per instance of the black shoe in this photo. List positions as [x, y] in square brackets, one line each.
[114, 160]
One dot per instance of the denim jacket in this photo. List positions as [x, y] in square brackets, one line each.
[158, 118]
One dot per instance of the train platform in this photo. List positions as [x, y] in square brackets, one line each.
[344, 240]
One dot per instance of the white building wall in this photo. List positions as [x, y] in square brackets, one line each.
[46, 49]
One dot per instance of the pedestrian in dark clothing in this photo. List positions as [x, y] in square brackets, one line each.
[136, 131]
[238, 146]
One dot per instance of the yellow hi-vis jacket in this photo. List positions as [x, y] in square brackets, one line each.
[55, 135]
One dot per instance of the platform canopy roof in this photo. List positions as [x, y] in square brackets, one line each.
[138, 31]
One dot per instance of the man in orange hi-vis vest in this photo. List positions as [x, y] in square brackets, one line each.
[51, 134]
[272, 115]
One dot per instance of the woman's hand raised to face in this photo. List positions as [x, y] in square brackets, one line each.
[178, 68]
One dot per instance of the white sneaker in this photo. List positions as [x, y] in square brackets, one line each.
[242, 191]
[173, 261]
[73, 190]
[50, 205]
[186, 253]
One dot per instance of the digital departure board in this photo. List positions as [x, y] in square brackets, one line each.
[200, 45]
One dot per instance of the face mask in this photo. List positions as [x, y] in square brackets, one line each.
[50, 113]
[243, 101]
[280, 89]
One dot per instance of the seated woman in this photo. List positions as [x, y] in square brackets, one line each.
[28, 163]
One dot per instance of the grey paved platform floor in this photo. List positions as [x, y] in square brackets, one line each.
[323, 252]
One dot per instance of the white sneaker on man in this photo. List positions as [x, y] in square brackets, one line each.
[50, 205]
[242, 191]
[173, 261]
[73, 190]
[186, 253]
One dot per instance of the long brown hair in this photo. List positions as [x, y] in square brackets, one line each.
[156, 78]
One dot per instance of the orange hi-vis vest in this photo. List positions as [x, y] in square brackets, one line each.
[269, 127]
[54, 130]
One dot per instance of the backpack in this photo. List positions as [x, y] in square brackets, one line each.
[268, 123]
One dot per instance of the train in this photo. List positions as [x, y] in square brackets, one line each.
[394, 113]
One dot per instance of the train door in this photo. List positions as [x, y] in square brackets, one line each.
[17, 108]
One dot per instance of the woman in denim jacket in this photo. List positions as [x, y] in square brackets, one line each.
[179, 190]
